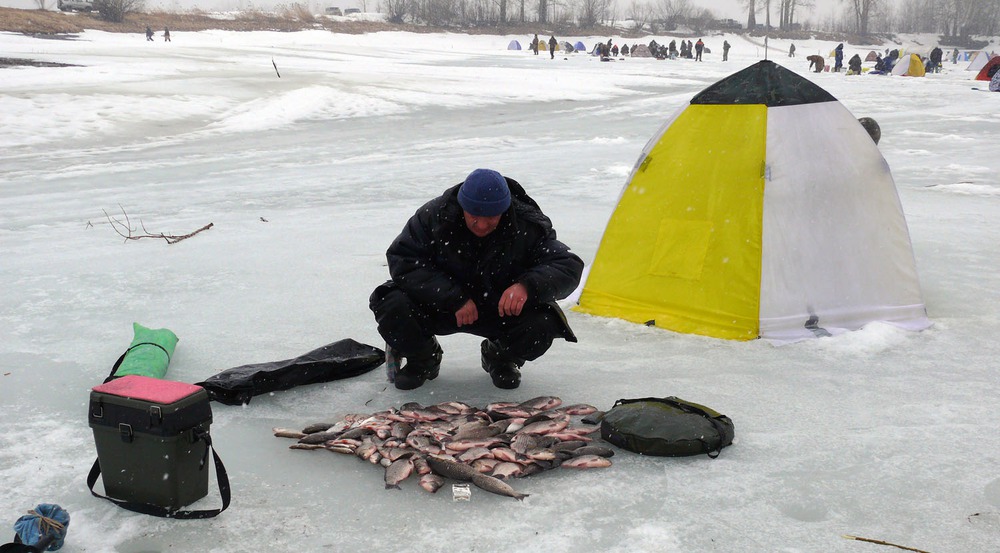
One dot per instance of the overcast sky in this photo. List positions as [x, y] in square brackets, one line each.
[722, 8]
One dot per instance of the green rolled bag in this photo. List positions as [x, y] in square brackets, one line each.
[148, 355]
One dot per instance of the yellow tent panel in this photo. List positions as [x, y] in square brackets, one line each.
[699, 253]
[916, 66]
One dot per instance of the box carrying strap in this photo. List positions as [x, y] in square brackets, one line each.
[156, 510]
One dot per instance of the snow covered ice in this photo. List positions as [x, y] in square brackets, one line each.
[880, 433]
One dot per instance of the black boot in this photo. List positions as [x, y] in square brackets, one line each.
[419, 368]
[503, 369]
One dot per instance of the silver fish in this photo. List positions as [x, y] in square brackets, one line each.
[541, 403]
[288, 433]
[451, 469]
[598, 450]
[431, 482]
[587, 462]
[497, 486]
[397, 471]
[507, 470]
[318, 427]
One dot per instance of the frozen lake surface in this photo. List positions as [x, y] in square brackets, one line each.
[880, 433]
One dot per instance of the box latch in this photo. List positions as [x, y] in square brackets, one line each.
[125, 431]
[98, 412]
[155, 415]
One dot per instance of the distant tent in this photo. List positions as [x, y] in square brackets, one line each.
[872, 56]
[977, 61]
[964, 55]
[990, 69]
[567, 47]
[579, 47]
[641, 51]
[514, 45]
[722, 237]
[912, 66]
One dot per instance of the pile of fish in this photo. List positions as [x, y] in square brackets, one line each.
[486, 447]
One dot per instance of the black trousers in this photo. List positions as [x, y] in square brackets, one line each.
[409, 327]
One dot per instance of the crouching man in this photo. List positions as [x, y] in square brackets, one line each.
[482, 259]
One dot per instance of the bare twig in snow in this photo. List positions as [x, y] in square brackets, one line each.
[128, 232]
[880, 542]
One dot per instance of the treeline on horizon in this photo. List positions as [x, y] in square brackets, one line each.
[957, 21]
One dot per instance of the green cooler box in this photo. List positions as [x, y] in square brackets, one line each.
[152, 440]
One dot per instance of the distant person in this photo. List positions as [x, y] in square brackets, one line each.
[690, 49]
[166, 34]
[534, 44]
[854, 65]
[791, 51]
[725, 50]
[879, 64]
[954, 56]
[614, 50]
[149, 34]
[552, 46]
[872, 127]
[838, 58]
[699, 47]
[935, 60]
[672, 49]
[816, 61]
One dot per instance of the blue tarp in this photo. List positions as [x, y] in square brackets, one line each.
[514, 45]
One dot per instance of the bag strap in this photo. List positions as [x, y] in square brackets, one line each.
[146, 509]
[687, 408]
[118, 363]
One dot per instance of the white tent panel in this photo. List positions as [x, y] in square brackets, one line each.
[835, 242]
[978, 61]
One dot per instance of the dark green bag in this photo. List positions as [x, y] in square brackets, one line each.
[666, 427]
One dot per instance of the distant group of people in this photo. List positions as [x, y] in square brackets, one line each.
[150, 34]
[883, 65]
[535, 44]
[608, 50]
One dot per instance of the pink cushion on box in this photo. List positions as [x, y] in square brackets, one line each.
[148, 389]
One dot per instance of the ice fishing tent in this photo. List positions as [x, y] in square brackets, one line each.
[641, 51]
[758, 226]
[514, 45]
[872, 56]
[579, 46]
[909, 66]
[988, 70]
[977, 61]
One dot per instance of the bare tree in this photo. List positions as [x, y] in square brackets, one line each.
[863, 11]
[674, 11]
[751, 6]
[395, 10]
[116, 10]
[640, 13]
[543, 11]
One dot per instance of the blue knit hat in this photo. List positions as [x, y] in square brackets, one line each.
[484, 193]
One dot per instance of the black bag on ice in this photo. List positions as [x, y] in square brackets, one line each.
[342, 359]
[667, 427]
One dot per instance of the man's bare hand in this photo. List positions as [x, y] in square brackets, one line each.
[513, 300]
[467, 314]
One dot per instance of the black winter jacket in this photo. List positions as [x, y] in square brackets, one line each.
[440, 264]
